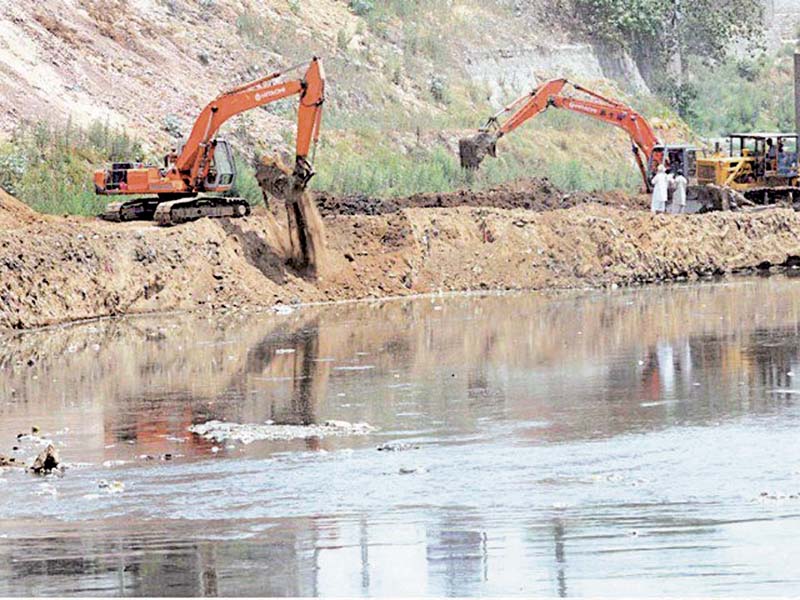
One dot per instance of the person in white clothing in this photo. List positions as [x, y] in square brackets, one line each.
[660, 188]
[670, 190]
[679, 195]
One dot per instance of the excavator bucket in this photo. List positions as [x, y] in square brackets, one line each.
[274, 177]
[475, 148]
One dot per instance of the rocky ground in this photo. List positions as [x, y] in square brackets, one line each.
[54, 270]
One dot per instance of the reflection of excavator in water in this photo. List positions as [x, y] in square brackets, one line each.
[647, 149]
[205, 163]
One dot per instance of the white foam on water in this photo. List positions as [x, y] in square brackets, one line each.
[247, 433]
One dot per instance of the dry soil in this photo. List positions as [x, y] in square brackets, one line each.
[54, 269]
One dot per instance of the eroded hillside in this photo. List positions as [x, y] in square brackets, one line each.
[402, 87]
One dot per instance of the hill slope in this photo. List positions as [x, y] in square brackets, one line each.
[406, 78]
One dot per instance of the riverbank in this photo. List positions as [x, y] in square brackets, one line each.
[55, 270]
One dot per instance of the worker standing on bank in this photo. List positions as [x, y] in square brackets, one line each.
[679, 195]
[660, 190]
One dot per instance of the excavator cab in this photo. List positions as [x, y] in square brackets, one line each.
[222, 171]
[677, 158]
[680, 159]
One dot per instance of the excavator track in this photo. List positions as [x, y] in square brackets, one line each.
[787, 195]
[175, 212]
[711, 197]
[141, 209]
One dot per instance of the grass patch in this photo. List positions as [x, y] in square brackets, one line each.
[384, 172]
[743, 95]
[246, 185]
[51, 168]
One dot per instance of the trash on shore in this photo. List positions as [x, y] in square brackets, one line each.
[247, 433]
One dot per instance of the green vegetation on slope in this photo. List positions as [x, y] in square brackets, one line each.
[392, 145]
[386, 172]
[669, 39]
[51, 168]
[740, 95]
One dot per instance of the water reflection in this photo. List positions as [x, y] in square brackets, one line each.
[569, 444]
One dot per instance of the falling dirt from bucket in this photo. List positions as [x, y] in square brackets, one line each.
[306, 229]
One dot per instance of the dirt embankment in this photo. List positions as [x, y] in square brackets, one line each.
[54, 269]
[15, 214]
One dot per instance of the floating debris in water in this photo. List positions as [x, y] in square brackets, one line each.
[47, 461]
[6, 461]
[661, 403]
[220, 431]
[397, 447]
[112, 487]
[412, 470]
[778, 496]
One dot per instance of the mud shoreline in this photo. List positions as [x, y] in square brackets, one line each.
[57, 270]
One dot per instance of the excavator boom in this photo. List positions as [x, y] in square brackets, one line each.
[644, 141]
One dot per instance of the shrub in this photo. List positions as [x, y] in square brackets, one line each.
[362, 7]
[246, 185]
[437, 85]
[172, 125]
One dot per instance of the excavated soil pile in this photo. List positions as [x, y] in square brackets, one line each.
[82, 268]
[529, 194]
[55, 270]
[14, 213]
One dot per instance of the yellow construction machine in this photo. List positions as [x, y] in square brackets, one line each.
[762, 167]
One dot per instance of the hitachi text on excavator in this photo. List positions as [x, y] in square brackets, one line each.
[204, 163]
[647, 149]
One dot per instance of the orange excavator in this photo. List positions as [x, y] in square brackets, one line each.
[647, 149]
[204, 163]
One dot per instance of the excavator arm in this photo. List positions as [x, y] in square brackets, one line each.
[644, 141]
[196, 158]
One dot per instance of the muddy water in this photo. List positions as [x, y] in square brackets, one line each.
[629, 443]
